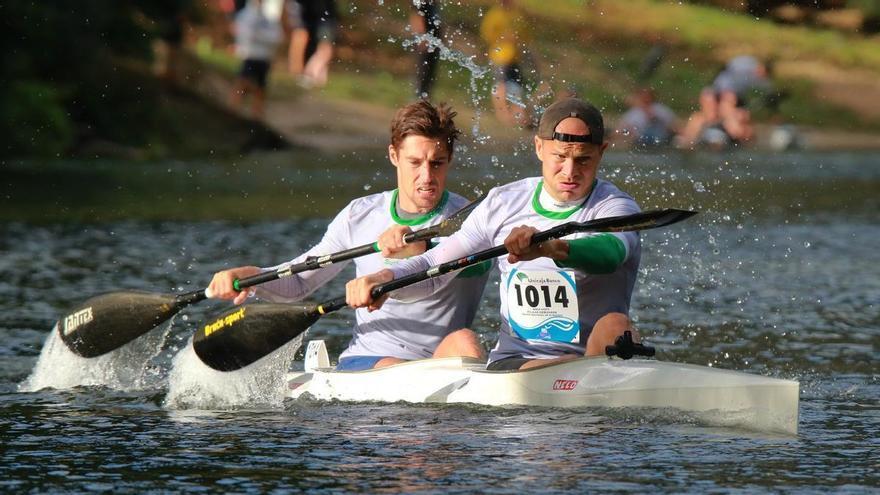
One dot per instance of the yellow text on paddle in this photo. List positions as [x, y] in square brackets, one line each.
[225, 321]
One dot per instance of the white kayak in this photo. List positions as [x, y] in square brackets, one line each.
[713, 395]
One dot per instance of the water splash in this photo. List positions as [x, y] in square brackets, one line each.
[193, 385]
[477, 71]
[127, 368]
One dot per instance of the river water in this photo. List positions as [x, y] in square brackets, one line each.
[777, 276]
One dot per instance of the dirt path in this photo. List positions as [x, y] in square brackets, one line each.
[310, 119]
[332, 125]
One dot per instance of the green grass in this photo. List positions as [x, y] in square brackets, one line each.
[705, 28]
[595, 48]
[218, 59]
[381, 87]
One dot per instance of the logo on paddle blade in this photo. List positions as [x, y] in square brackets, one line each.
[565, 384]
[76, 320]
[224, 321]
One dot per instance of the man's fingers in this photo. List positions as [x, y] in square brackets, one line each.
[377, 304]
[357, 293]
[240, 298]
[391, 241]
[350, 293]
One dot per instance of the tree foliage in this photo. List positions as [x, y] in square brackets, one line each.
[70, 71]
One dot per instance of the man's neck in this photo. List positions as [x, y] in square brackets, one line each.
[413, 215]
[553, 204]
[403, 212]
[407, 209]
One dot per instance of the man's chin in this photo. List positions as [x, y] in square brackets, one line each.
[570, 195]
[425, 202]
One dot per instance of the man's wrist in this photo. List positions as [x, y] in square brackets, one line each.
[557, 249]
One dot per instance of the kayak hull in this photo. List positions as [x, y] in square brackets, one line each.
[717, 396]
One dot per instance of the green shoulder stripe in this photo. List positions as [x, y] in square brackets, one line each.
[420, 219]
[598, 254]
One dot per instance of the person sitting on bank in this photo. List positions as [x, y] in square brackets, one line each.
[422, 141]
[647, 123]
[723, 105]
[562, 298]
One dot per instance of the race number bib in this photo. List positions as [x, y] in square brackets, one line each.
[542, 305]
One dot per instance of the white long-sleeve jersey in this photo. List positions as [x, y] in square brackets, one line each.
[546, 310]
[405, 330]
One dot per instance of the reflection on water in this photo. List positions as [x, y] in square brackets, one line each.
[776, 276]
[301, 184]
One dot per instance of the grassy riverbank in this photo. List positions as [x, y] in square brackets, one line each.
[596, 51]
[592, 48]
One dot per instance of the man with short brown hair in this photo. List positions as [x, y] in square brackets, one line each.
[422, 142]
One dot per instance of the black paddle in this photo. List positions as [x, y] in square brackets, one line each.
[107, 322]
[242, 336]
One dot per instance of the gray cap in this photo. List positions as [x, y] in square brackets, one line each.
[572, 107]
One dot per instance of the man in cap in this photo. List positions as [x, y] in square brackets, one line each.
[560, 299]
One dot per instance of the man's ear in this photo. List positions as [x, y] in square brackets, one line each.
[392, 154]
[539, 145]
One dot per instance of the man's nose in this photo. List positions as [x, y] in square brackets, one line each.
[425, 169]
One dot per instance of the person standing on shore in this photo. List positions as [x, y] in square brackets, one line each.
[507, 36]
[425, 20]
[256, 38]
[312, 42]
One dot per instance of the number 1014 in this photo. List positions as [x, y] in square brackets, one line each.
[534, 296]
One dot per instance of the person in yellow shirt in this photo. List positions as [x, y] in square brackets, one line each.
[506, 34]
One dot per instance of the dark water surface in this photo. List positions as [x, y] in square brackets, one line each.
[778, 275]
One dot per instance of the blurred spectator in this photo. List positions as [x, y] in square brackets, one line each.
[647, 122]
[256, 38]
[425, 19]
[723, 105]
[311, 44]
[507, 35]
[171, 19]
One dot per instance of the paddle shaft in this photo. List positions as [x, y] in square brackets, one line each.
[638, 221]
[310, 263]
[446, 227]
[108, 321]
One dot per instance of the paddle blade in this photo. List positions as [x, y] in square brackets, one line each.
[247, 333]
[651, 219]
[107, 322]
[452, 224]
